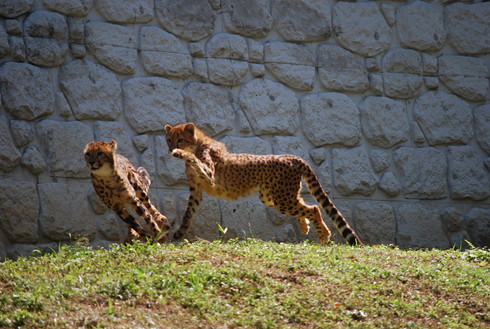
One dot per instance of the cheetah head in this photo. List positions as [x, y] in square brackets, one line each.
[100, 155]
[181, 136]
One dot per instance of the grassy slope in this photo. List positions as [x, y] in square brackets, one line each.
[247, 284]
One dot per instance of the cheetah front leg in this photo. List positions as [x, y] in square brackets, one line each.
[204, 171]
[195, 199]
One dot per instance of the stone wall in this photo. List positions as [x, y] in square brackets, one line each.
[387, 100]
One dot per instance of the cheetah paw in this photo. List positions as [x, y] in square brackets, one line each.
[177, 153]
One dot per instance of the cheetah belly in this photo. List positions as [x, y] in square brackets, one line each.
[223, 193]
[230, 189]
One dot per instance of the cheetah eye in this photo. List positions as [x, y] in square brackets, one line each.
[180, 140]
[100, 153]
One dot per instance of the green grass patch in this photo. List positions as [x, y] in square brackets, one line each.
[250, 284]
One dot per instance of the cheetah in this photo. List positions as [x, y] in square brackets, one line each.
[121, 187]
[277, 178]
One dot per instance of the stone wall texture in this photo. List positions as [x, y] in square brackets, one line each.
[387, 100]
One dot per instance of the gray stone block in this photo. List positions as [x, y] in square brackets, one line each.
[468, 178]
[22, 132]
[112, 45]
[324, 173]
[330, 118]
[17, 48]
[444, 118]
[97, 205]
[126, 11]
[452, 219]
[191, 20]
[78, 50]
[376, 83]
[64, 152]
[352, 172]
[75, 8]
[247, 218]
[478, 226]
[302, 20]
[270, 107]
[376, 222]
[402, 85]
[209, 107]
[4, 42]
[414, 233]
[380, 159]
[466, 76]
[15, 80]
[389, 184]
[467, 26]
[255, 51]
[64, 108]
[200, 67]
[65, 213]
[242, 124]
[251, 145]
[251, 18]
[482, 119]
[93, 92]
[46, 38]
[147, 161]
[227, 72]
[76, 29]
[290, 145]
[400, 60]
[422, 179]
[339, 69]
[389, 12]
[163, 54]
[141, 142]
[384, 121]
[19, 209]
[33, 160]
[292, 64]
[14, 26]
[15, 8]
[111, 227]
[152, 102]
[420, 26]
[361, 27]
[9, 154]
[429, 64]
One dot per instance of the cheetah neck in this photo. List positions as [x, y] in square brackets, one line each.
[105, 170]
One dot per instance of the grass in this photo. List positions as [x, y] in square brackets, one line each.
[249, 283]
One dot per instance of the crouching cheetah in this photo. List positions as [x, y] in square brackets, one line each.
[277, 178]
[120, 186]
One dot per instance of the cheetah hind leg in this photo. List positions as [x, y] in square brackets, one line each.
[304, 213]
[265, 197]
[133, 236]
[136, 231]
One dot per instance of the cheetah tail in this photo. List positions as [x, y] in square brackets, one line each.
[322, 198]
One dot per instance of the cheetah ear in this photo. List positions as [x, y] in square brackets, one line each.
[113, 145]
[190, 128]
[168, 128]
